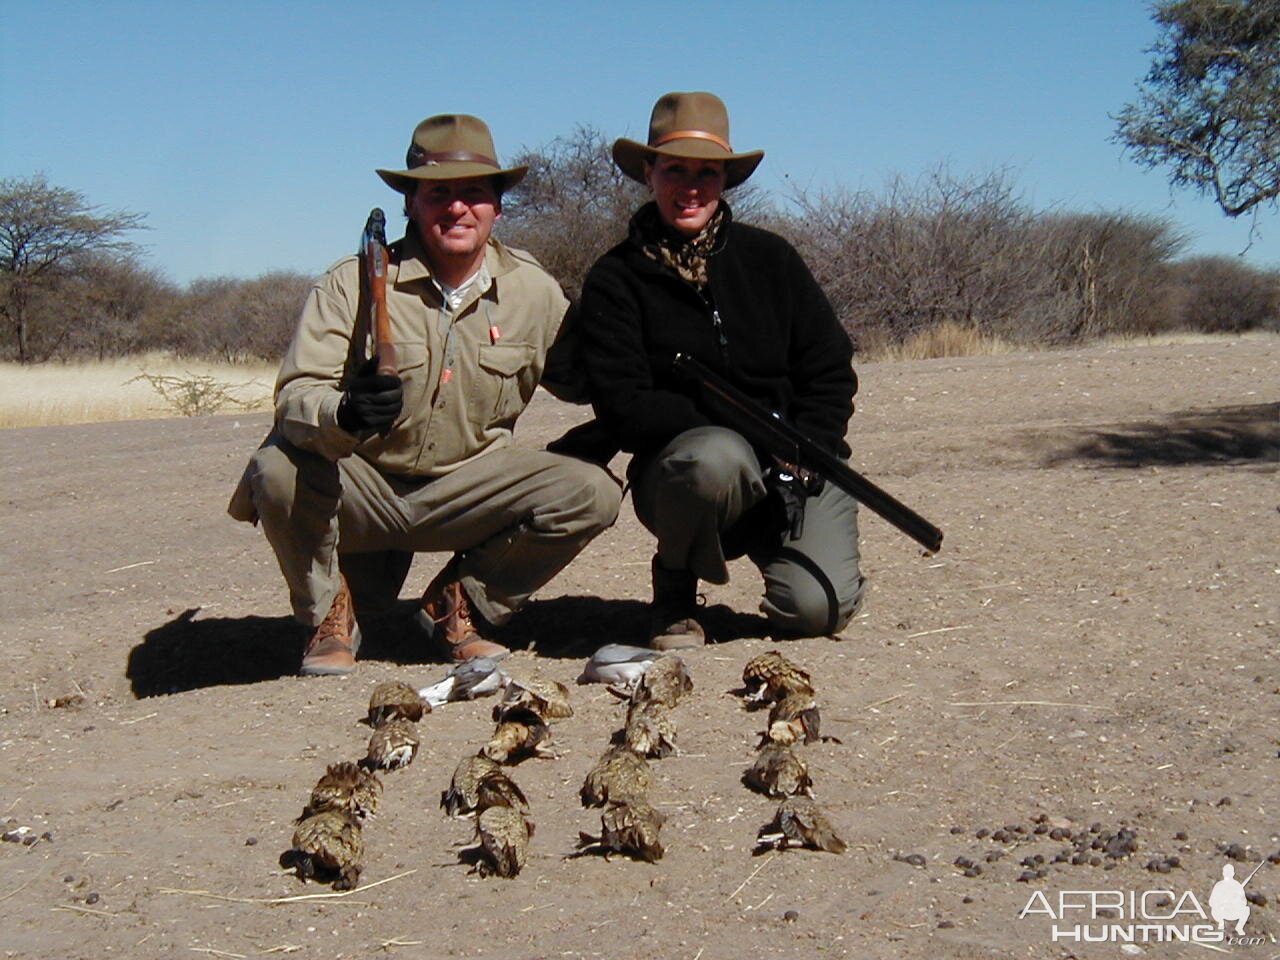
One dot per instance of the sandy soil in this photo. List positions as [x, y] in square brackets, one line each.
[1098, 642]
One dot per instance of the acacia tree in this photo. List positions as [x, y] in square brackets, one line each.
[1209, 108]
[43, 229]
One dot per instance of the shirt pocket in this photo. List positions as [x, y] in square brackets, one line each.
[505, 381]
[411, 360]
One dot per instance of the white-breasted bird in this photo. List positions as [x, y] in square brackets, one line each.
[618, 665]
[477, 677]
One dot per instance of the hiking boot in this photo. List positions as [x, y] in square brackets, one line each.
[671, 622]
[447, 617]
[332, 648]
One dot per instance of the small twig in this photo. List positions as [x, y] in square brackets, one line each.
[219, 953]
[125, 723]
[219, 806]
[14, 893]
[305, 896]
[881, 703]
[397, 942]
[925, 633]
[1025, 703]
[283, 948]
[130, 566]
[96, 913]
[762, 902]
[752, 877]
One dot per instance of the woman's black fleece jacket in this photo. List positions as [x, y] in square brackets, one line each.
[778, 340]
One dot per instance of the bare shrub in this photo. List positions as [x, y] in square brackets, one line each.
[199, 394]
[968, 251]
[232, 320]
[1222, 295]
[1108, 274]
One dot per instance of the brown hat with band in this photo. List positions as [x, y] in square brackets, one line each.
[451, 146]
[692, 125]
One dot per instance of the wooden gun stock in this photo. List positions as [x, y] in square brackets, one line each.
[766, 429]
[374, 253]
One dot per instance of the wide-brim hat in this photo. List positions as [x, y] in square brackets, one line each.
[451, 146]
[694, 125]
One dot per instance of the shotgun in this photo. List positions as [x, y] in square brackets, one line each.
[768, 430]
[373, 250]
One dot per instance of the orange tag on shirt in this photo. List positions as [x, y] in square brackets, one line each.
[446, 375]
[494, 334]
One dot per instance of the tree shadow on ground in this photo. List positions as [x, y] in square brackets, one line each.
[189, 653]
[1237, 434]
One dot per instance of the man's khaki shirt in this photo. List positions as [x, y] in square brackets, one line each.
[496, 342]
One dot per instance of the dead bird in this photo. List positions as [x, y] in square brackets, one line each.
[778, 772]
[348, 787]
[619, 774]
[463, 795]
[795, 717]
[664, 681]
[393, 745]
[618, 665]
[327, 845]
[650, 730]
[629, 827]
[395, 699]
[771, 676]
[469, 680]
[502, 836]
[521, 734]
[799, 822]
[547, 700]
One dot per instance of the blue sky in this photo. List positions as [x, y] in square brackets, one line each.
[248, 131]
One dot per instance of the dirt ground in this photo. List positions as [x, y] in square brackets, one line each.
[1097, 643]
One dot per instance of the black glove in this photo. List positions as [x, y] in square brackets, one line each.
[790, 492]
[372, 400]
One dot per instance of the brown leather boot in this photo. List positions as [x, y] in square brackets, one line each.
[675, 599]
[447, 616]
[332, 648]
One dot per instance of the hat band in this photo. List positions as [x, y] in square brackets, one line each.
[452, 156]
[692, 135]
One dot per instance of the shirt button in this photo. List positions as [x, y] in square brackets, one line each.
[431, 446]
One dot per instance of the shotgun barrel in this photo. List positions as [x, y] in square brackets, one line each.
[768, 430]
[373, 247]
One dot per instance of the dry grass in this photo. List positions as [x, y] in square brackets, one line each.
[57, 393]
[947, 339]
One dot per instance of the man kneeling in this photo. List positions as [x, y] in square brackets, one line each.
[364, 469]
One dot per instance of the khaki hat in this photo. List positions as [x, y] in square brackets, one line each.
[687, 125]
[451, 146]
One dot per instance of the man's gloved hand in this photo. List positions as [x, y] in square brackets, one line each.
[372, 400]
[810, 481]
